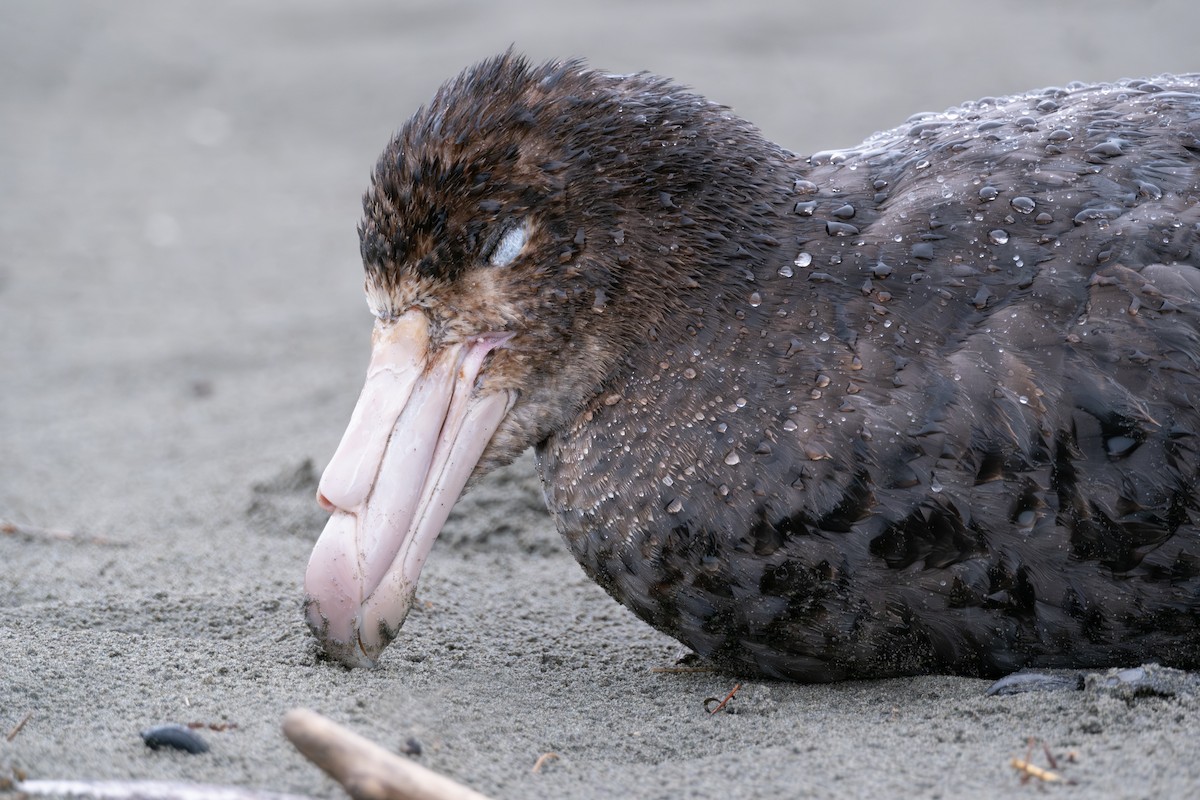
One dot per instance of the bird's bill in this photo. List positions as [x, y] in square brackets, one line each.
[413, 440]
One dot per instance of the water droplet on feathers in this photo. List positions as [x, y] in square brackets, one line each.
[1024, 205]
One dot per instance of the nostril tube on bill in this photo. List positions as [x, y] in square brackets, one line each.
[324, 503]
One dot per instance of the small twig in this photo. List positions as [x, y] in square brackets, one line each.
[1028, 770]
[541, 762]
[219, 727]
[34, 532]
[364, 769]
[17, 728]
[1050, 759]
[1028, 754]
[721, 704]
[148, 790]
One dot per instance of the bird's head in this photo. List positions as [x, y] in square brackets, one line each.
[518, 236]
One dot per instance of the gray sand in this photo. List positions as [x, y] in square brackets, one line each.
[182, 337]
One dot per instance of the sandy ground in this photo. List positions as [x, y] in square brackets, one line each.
[182, 338]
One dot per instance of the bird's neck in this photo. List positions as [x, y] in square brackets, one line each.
[730, 388]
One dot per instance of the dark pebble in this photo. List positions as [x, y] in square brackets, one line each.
[174, 736]
[1022, 682]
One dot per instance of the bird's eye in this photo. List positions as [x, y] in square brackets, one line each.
[510, 245]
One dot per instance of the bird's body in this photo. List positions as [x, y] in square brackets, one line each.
[928, 404]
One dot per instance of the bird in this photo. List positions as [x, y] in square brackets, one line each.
[923, 405]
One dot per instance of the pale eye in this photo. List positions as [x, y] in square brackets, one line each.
[510, 245]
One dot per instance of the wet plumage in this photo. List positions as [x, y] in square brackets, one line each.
[923, 405]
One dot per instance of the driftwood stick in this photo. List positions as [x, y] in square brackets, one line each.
[364, 769]
[147, 790]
